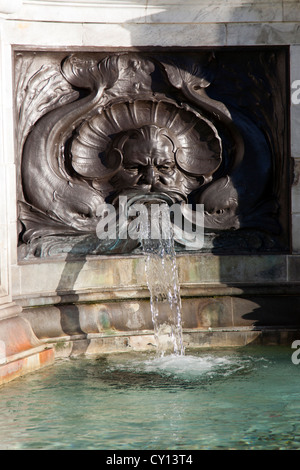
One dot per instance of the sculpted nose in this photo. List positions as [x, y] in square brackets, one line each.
[149, 175]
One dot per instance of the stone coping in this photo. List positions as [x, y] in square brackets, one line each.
[124, 277]
[137, 342]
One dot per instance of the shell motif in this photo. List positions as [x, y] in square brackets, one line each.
[199, 145]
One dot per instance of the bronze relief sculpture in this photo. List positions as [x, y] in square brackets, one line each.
[151, 124]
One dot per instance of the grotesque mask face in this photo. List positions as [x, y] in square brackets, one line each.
[148, 163]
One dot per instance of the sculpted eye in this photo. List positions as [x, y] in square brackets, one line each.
[165, 169]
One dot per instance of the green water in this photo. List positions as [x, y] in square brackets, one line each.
[226, 399]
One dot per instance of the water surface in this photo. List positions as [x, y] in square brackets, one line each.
[226, 399]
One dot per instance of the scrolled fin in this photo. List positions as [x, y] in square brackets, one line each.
[88, 73]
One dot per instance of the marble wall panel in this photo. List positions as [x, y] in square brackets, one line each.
[263, 33]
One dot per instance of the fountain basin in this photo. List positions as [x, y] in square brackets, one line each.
[238, 399]
[101, 305]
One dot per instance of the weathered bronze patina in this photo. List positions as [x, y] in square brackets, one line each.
[201, 127]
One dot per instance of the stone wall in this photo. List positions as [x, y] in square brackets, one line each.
[94, 24]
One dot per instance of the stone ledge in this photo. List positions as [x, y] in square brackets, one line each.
[34, 360]
[127, 274]
[113, 318]
[143, 341]
[132, 294]
[9, 309]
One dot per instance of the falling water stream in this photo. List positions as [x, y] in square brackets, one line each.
[162, 281]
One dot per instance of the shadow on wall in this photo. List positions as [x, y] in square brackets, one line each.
[197, 23]
[70, 312]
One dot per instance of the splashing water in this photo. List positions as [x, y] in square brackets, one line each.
[162, 281]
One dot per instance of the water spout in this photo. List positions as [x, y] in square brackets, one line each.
[157, 240]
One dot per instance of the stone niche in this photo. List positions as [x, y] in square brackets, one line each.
[197, 126]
